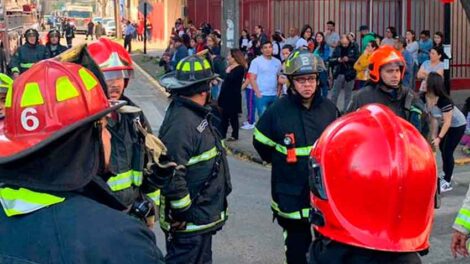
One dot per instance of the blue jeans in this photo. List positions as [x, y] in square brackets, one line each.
[263, 103]
[324, 84]
[250, 105]
[215, 89]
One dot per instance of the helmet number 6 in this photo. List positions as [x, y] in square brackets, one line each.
[28, 120]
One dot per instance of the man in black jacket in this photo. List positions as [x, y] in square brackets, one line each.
[54, 208]
[69, 32]
[53, 44]
[284, 136]
[386, 70]
[343, 59]
[30, 53]
[194, 200]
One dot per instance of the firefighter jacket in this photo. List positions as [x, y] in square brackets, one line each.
[402, 101]
[128, 157]
[69, 31]
[289, 182]
[462, 221]
[27, 55]
[54, 51]
[197, 196]
[69, 227]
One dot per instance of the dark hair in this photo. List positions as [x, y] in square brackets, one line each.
[374, 45]
[238, 57]
[266, 42]
[440, 34]
[427, 33]
[435, 85]
[393, 30]
[466, 106]
[277, 38]
[247, 34]
[304, 28]
[440, 51]
[186, 40]
[412, 33]
[288, 46]
[377, 36]
[322, 44]
[260, 27]
[331, 22]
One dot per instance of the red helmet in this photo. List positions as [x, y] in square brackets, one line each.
[114, 61]
[382, 56]
[47, 101]
[373, 180]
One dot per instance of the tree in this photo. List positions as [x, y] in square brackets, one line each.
[466, 7]
[104, 4]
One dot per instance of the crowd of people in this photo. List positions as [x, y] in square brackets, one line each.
[347, 59]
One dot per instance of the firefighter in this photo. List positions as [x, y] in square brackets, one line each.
[5, 84]
[54, 209]
[29, 53]
[386, 71]
[127, 157]
[194, 201]
[284, 136]
[53, 43]
[461, 227]
[69, 32]
[373, 183]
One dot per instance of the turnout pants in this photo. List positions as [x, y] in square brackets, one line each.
[297, 239]
[189, 249]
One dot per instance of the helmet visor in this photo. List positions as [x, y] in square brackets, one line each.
[316, 179]
[121, 74]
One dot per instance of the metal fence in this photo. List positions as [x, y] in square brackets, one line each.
[349, 15]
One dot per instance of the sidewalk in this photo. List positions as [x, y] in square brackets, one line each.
[243, 147]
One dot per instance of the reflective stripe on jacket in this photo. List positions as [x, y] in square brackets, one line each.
[290, 191]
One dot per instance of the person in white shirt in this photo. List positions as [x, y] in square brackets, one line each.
[293, 37]
[331, 37]
[264, 71]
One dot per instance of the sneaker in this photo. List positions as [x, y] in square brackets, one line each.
[248, 126]
[245, 123]
[445, 186]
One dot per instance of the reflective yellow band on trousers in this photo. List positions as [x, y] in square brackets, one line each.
[24, 201]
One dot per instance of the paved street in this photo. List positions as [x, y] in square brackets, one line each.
[250, 236]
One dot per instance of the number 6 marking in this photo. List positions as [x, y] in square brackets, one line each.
[28, 120]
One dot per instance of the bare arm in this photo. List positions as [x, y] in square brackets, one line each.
[447, 116]
[254, 84]
[422, 74]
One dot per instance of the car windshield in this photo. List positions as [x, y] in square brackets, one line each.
[79, 14]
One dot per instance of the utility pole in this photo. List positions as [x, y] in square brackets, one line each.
[230, 25]
[145, 27]
[117, 19]
[447, 45]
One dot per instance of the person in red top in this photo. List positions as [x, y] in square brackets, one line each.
[201, 43]
[140, 30]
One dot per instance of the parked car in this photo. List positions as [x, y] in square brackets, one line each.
[110, 28]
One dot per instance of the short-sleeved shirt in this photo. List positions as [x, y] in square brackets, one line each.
[413, 48]
[332, 40]
[301, 42]
[444, 105]
[266, 71]
[387, 42]
[430, 68]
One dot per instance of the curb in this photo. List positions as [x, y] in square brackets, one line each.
[245, 155]
[462, 161]
[151, 79]
[234, 151]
